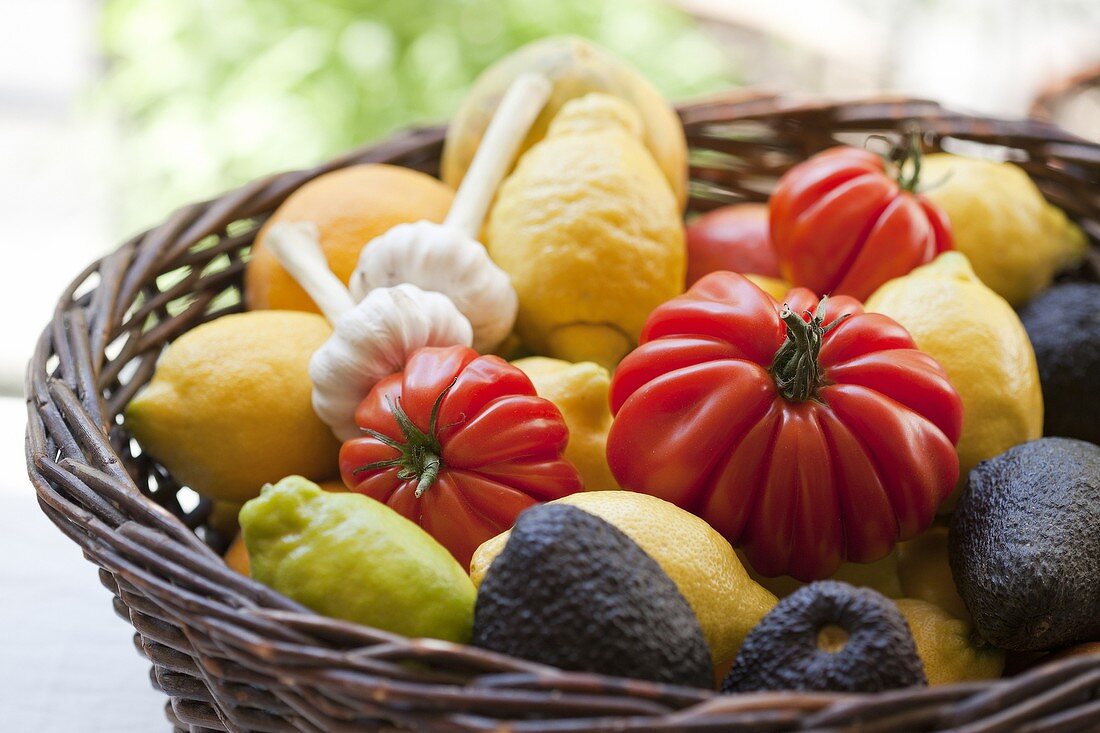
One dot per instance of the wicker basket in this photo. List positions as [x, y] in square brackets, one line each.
[1052, 97]
[233, 655]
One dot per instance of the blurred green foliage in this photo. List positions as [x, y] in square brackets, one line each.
[212, 93]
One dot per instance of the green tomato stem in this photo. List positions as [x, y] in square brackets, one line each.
[907, 157]
[796, 367]
[419, 456]
[428, 474]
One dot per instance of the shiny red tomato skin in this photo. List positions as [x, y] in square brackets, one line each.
[501, 446]
[733, 238]
[841, 225]
[800, 486]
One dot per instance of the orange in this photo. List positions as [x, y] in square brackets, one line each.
[236, 557]
[350, 207]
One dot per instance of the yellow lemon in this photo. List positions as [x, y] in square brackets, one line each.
[1015, 240]
[948, 648]
[580, 392]
[590, 233]
[925, 572]
[977, 337]
[575, 67]
[773, 286]
[699, 560]
[228, 409]
[881, 575]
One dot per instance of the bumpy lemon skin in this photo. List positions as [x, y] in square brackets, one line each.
[1014, 239]
[229, 408]
[727, 602]
[979, 340]
[348, 556]
[575, 67]
[589, 231]
[947, 646]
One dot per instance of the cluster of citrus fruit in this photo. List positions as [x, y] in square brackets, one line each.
[788, 446]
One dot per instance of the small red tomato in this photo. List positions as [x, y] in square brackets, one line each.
[809, 434]
[841, 225]
[460, 444]
[733, 238]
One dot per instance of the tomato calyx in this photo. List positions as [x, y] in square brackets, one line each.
[420, 455]
[796, 367]
[906, 156]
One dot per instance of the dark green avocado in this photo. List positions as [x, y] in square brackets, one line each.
[1024, 545]
[828, 636]
[1063, 324]
[572, 591]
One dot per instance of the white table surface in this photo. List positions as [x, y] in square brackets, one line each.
[67, 662]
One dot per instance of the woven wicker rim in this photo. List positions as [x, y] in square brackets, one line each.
[233, 655]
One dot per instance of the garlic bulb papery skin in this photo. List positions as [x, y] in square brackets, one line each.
[372, 341]
[444, 260]
[447, 258]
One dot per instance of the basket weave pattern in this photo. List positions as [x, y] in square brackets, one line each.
[233, 655]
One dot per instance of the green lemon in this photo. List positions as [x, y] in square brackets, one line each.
[351, 557]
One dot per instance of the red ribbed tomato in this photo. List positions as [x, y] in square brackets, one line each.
[809, 434]
[841, 225]
[460, 444]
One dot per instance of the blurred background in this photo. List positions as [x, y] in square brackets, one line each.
[114, 112]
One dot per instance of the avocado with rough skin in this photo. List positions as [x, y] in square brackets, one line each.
[1024, 545]
[829, 636]
[1063, 324]
[572, 591]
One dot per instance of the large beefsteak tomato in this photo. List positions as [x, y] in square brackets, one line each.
[842, 225]
[460, 444]
[808, 434]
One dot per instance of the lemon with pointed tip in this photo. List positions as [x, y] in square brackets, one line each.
[590, 233]
[1013, 237]
[727, 602]
[229, 407]
[575, 67]
[979, 340]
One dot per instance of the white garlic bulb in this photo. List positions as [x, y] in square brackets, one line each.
[447, 258]
[370, 339]
[442, 259]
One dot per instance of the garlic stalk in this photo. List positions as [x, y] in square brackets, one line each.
[371, 339]
[447, 257]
